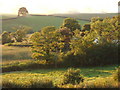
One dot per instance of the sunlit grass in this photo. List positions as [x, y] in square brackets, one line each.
[15, 53]
[93, 81]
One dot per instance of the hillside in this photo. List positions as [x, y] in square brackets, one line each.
[87, 16]
[36, 22]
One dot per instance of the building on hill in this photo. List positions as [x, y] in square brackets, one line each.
[22, 11]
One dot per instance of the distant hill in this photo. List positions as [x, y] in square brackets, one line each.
[86, 16]
[35, 21]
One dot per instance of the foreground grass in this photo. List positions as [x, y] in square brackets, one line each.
[97, 77]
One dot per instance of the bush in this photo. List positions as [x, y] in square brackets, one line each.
[116, 75]
[6, 37]
[72, 76]
[96, 55]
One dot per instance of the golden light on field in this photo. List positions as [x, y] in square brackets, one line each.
[59, 6]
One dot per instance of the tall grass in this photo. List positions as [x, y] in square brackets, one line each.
[51, 78]
[15, 53]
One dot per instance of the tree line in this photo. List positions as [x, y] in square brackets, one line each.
[93, 44]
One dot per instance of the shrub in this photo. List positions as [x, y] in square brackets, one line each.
[72, 76]
[6, 37]
[116, 75]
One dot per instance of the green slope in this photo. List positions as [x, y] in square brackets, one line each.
[36, 22]
[87, 16]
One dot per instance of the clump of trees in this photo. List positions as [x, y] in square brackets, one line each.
[95, 44]
[47, 44]
[17, 36]
[6, 37]
[71, 23]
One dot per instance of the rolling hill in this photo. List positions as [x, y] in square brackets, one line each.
[86, 16]
[36, 22]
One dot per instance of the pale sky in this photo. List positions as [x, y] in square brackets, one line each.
[59, 6]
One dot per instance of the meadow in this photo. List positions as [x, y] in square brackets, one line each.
[15, 53]
[35, 22]
[87, 16]
[97, 77]
[94, 64]
[33, 77]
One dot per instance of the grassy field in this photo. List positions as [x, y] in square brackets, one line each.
[35, 22]
[91, 75]
[6, 16]
[21, 71]
[87, 16]
[27, 77]
[15, 53]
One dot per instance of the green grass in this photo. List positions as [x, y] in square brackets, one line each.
[6, 16]
[88, 16]
[15, 53]
[36, 22]
[55, 75]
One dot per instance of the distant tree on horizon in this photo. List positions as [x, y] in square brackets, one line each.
[22, 11]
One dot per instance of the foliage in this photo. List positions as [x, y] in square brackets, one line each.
[46, 44]
[66, 36]
[72, 76]
[116, 75]
[20, 33]
[94, 77]
[99, 46]
[6, 37]
[86, 27]
[106, 30]
[94, 19]
[71, 23]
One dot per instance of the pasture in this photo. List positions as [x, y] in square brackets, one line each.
[29, 78]
[35, 22]
[15, 53]
[87, 16]
[24, 79]
[20, 70]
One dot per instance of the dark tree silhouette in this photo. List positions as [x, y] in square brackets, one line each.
[22, 11]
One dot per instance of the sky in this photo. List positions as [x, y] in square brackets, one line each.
[59, 6]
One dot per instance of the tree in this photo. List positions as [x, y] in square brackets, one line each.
[86, 27]
[66, 37]
[20, 33]
[22, 11]
[94, 19]
[71, 23]
[46, 44]
[106, 30]
[6, 38]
